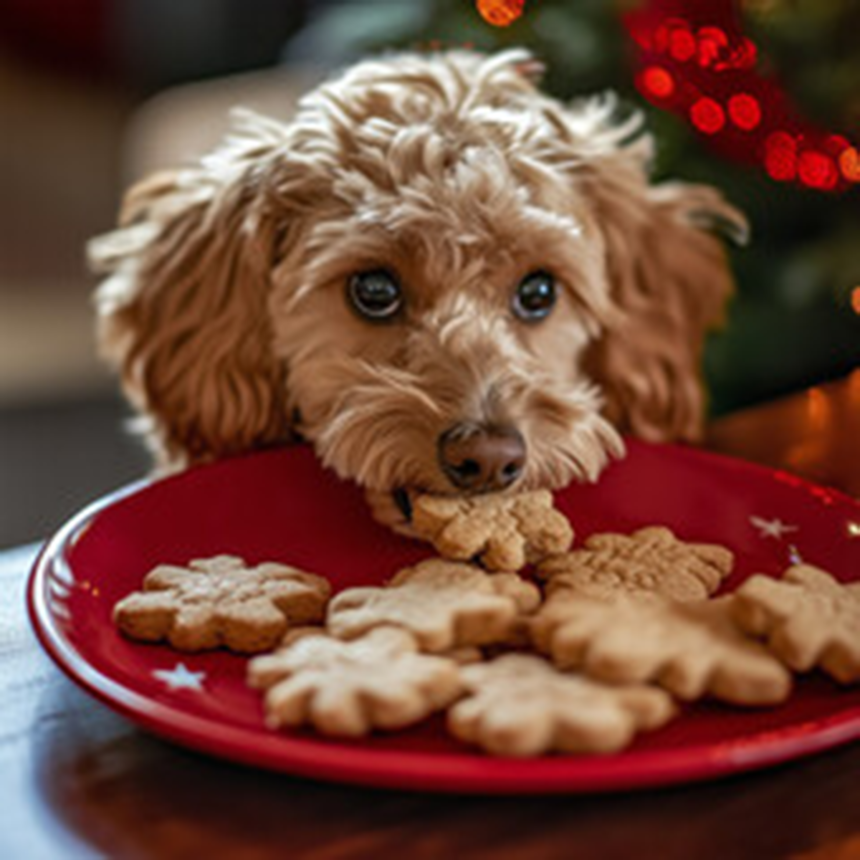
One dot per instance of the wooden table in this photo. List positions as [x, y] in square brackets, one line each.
[76, 781]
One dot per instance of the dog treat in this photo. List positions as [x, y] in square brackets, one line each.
[221, 601]
[505, 531]
[691, 649]
[650, 561]
[520, 705]
[808, 619]
[378, 681]
[445, 604]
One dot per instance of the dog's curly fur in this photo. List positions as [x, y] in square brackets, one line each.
[225, 307]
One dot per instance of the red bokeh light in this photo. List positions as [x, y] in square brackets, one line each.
[712, 43]
[834, 144]
[745, 111]
[816, 169]
[781, 165]
[707, 116]
[657, 82]
[682, 45]
[855, 300]
[500, 13]
[781, 140]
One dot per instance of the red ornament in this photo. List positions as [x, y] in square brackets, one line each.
[696, 61]
[500, 13]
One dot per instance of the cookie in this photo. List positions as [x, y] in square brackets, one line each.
[520, 705]
[445, 604]
[808, 618]
[504, 531]
[691, 649]
[649, 561]
[221, 601]
[378, 681]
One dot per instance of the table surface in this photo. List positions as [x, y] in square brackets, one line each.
[77, 781]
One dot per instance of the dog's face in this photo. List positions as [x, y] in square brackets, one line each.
[440, 278]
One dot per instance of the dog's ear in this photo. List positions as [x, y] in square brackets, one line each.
[669, 280]
[183, 313]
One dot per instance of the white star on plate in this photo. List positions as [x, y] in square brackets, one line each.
[180, 677]
[774, 528]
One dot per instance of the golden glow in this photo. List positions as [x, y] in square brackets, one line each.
[818, 408]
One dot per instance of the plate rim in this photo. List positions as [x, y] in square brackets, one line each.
[321, 758]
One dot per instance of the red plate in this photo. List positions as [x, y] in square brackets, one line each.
[281, 505]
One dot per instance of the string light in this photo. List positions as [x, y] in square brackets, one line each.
[682, 45]
[780, 160]
[696, 61]
[816, 170]
[707, 116]
[500, 13]
[849, 164]
[712, 44]
[744, 111]
[656, 81]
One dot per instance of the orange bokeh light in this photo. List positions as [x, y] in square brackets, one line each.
[500, 13]
[849, 164]
[855, 300]
[707, 116]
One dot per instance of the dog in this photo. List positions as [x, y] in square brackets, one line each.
[441, 278]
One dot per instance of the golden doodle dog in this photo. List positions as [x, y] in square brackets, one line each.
[441, 278]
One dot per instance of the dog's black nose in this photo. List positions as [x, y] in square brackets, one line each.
[481, 459]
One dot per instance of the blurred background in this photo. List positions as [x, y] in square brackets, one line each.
[762, 100]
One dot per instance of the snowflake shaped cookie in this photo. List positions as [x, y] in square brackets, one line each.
[378, 681]
[691, 649]
[520, 705]
[504, 531]
[808, 619]
[649, 561]
[221, 601]
[444, 604]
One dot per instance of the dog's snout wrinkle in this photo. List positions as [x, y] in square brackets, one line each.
[479, 458]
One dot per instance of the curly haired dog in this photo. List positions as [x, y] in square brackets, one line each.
[441, 278]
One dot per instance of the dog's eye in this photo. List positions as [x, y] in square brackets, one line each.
[375, 294]
[534, 297]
